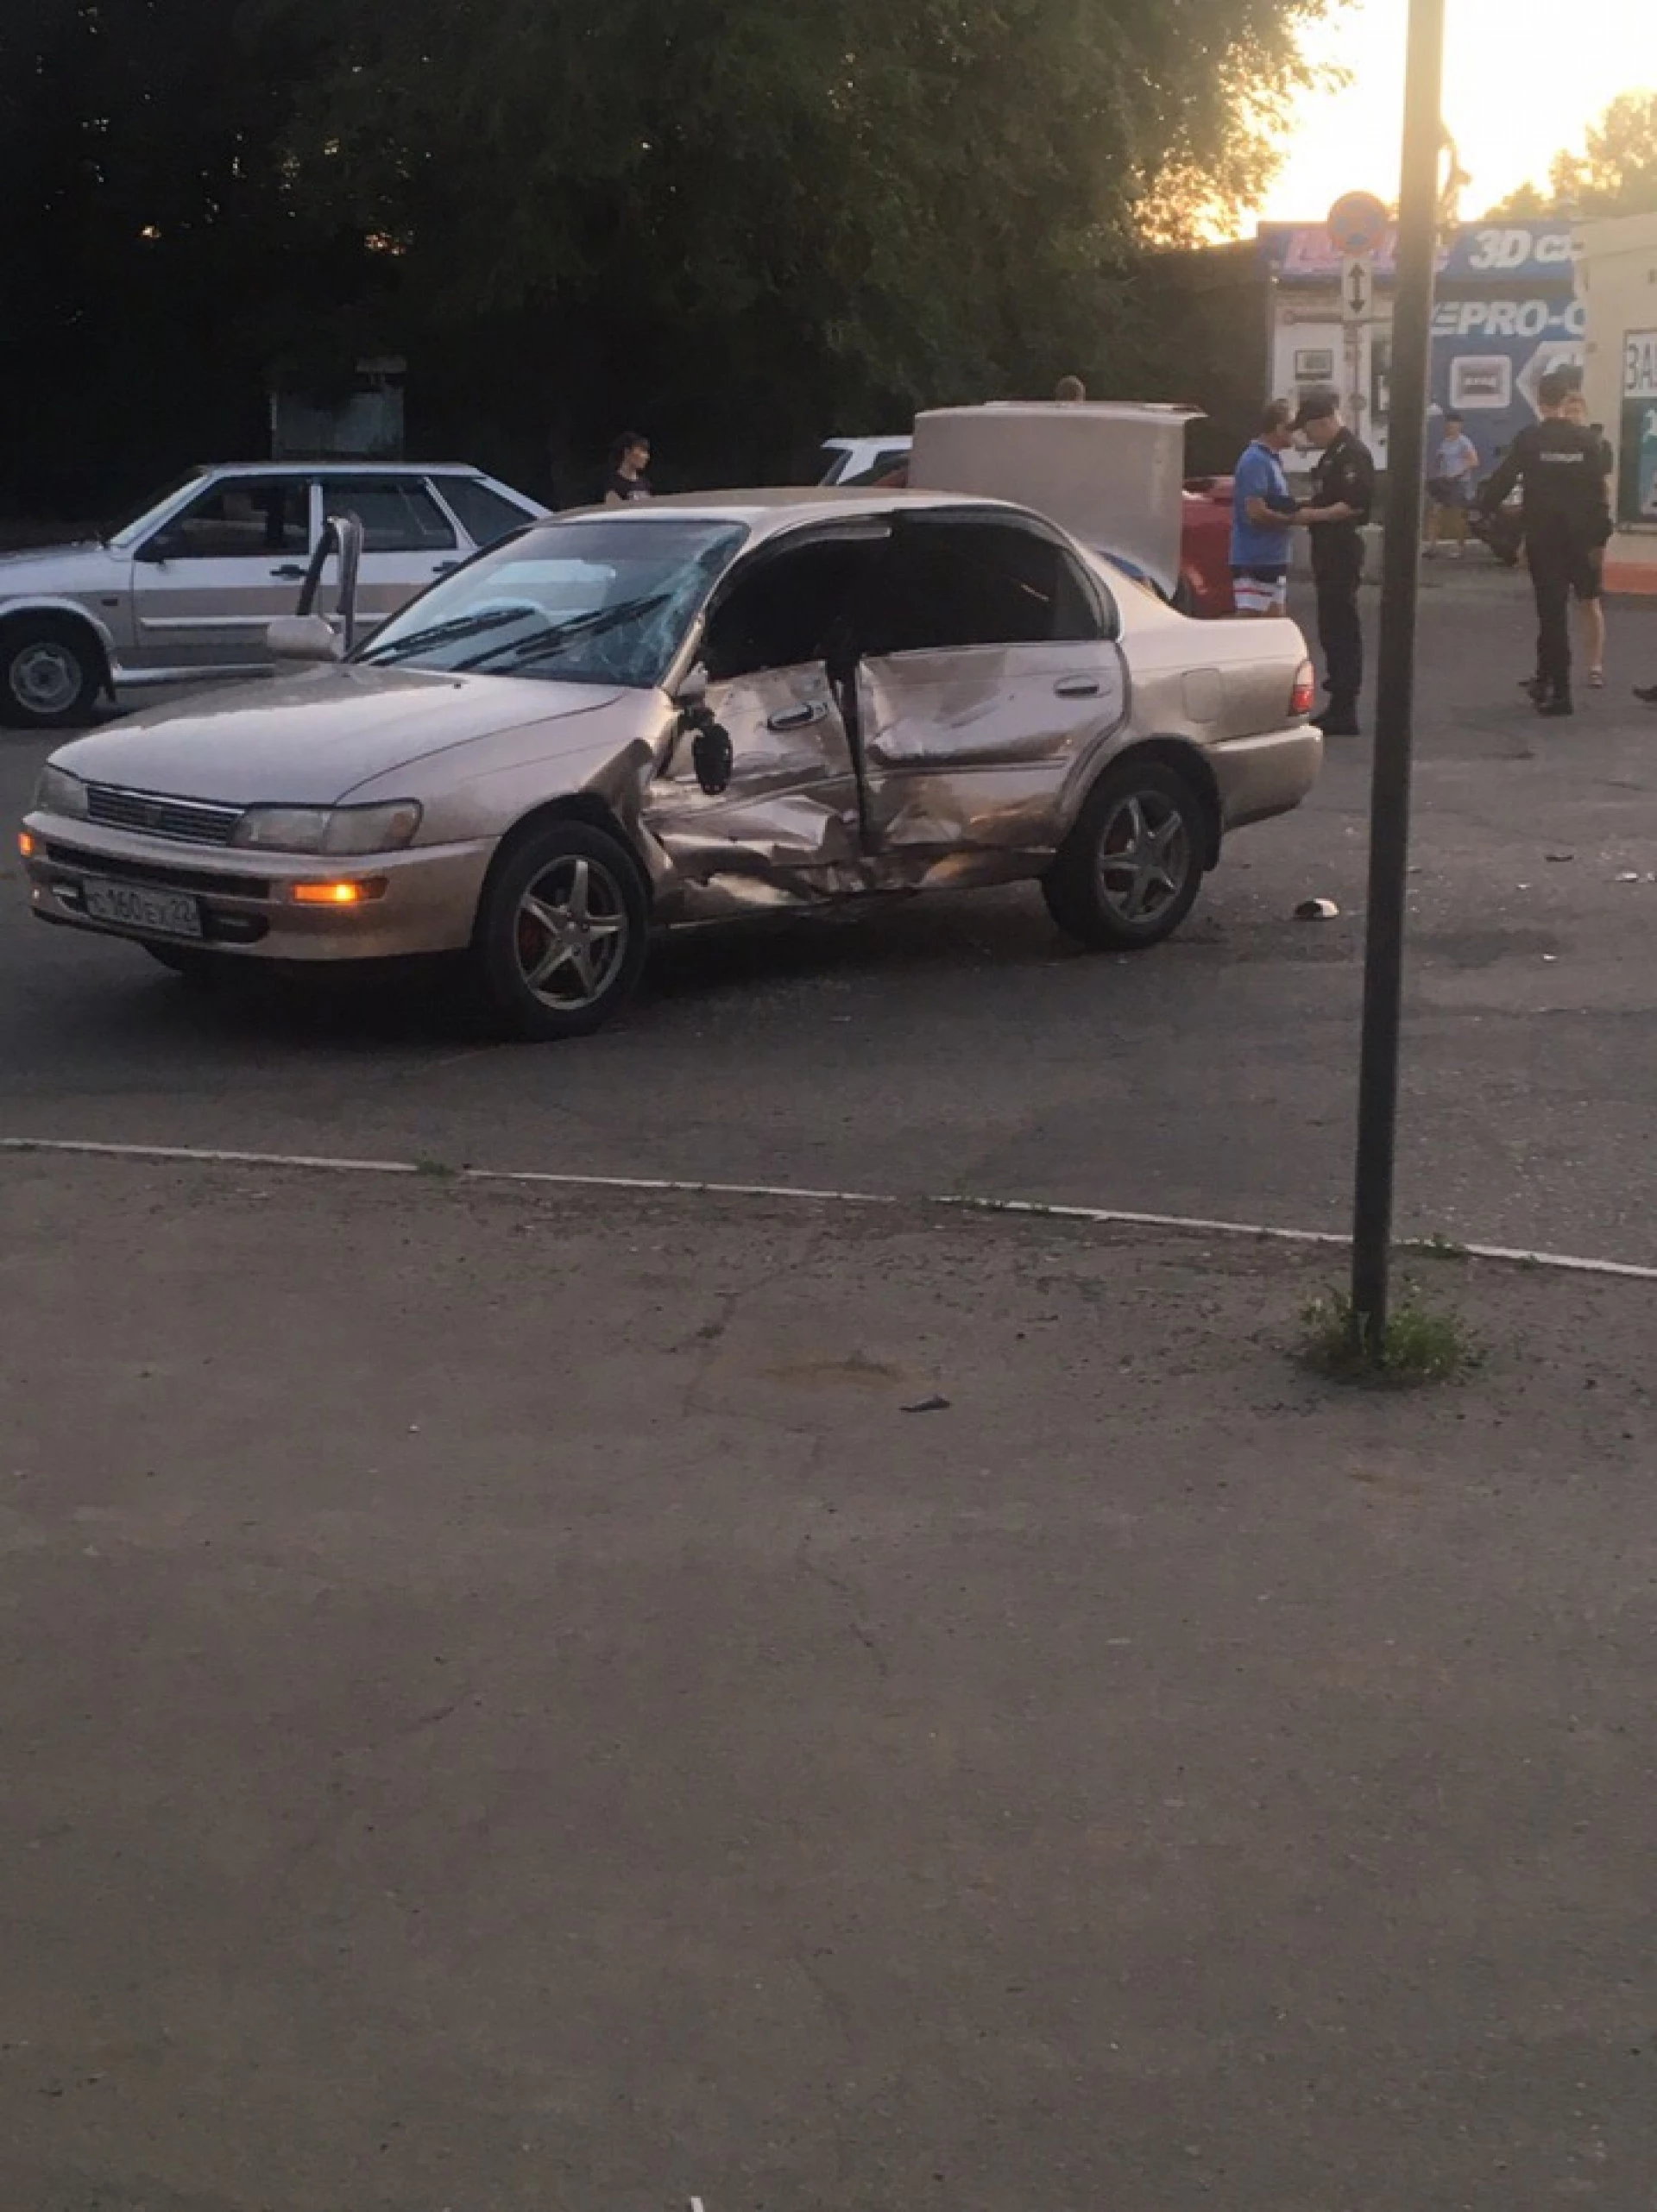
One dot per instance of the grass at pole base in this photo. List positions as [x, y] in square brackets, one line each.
[1421, 1344]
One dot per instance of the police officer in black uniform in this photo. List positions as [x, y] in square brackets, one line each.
[1562, 465]
[1343, 495]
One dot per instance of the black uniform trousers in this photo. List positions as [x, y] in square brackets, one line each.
[1336, 571]
[1556, 556]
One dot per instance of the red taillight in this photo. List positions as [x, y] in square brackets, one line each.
[1304, 697]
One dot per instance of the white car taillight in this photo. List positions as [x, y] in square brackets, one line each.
[1303, 697]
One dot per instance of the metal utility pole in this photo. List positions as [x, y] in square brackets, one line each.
[1383, 949]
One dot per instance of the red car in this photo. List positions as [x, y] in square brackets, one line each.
[1205, 584]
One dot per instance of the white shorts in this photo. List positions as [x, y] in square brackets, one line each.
[1259, 591]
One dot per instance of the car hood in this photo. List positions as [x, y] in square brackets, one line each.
[56, 568]
[311, 737]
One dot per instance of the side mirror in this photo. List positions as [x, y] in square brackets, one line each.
[304, 637]
[711, 753]
[342, 534]
[165, 545]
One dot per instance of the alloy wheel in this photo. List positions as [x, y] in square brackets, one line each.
[1145, 856]
[570, 932]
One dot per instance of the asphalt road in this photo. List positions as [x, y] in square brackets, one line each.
[524, 1702]
[960, 1045]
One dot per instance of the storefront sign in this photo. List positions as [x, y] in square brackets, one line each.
[1477, 253]
[1508, 250]
[1640, 365]
[1636, 486]
[1509, 318]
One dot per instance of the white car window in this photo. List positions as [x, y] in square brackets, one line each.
[244, 518]
[484, 515]
[398, 514]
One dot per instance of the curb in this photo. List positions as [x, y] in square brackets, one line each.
[1106, 1217]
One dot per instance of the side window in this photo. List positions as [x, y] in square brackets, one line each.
[484, 515]
[784, 609]
[397, 515]
[249, 518]
[883, 465]
[952, 584]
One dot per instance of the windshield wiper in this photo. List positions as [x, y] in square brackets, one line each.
[554, 640]
[458, 625]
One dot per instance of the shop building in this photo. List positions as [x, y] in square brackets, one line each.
[1618, 266]
[1508, 307]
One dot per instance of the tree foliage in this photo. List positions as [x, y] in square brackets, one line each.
[744, 222]
[1614, 173]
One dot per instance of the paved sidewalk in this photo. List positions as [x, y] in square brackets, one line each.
[507, 1711]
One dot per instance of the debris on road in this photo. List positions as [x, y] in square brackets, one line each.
[1316, 910]
[1561, 856]
[934, 1404]
[1628, 875]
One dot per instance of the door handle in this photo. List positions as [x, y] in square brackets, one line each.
[800, 718]
[1077, 687]
[290, 574]
[445, 568]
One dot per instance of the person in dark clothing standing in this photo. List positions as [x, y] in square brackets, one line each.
[1561, 469]
[1343, 497]
[626, 481]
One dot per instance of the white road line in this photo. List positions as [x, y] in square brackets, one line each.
[218, 1158]
[1108, 1217]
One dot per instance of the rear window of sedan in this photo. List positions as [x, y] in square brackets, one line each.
[591, 602]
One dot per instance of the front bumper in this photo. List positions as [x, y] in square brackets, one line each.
[245, 900]
[1259, 777]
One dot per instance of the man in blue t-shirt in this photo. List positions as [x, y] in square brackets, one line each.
[1262, 516]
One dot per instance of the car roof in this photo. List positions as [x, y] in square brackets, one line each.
[776, 508]
[337, 468]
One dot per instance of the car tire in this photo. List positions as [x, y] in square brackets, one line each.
[1129, 871]
[51, 673]
[562, 933]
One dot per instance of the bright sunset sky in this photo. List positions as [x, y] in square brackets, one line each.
[1520, 80]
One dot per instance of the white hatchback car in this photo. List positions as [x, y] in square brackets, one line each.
[187, 586]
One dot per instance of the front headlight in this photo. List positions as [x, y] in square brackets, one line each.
[59, 792]
[329, 829]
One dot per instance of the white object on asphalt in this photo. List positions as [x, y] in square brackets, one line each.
[1316, 910]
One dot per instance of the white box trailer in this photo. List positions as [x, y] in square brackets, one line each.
[1110, 471]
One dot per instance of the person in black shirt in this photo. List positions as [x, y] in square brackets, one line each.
[1343, 496]
[626, 481]
[1559, 467]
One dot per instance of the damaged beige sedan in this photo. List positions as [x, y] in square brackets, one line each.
[681, 713]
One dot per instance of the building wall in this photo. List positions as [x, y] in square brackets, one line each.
[1619, 265]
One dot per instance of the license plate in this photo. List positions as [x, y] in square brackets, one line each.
[132, 906]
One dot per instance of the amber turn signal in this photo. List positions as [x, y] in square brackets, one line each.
[355, 891]
[26, 844]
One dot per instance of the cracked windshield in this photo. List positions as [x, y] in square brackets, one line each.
[589, 603]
